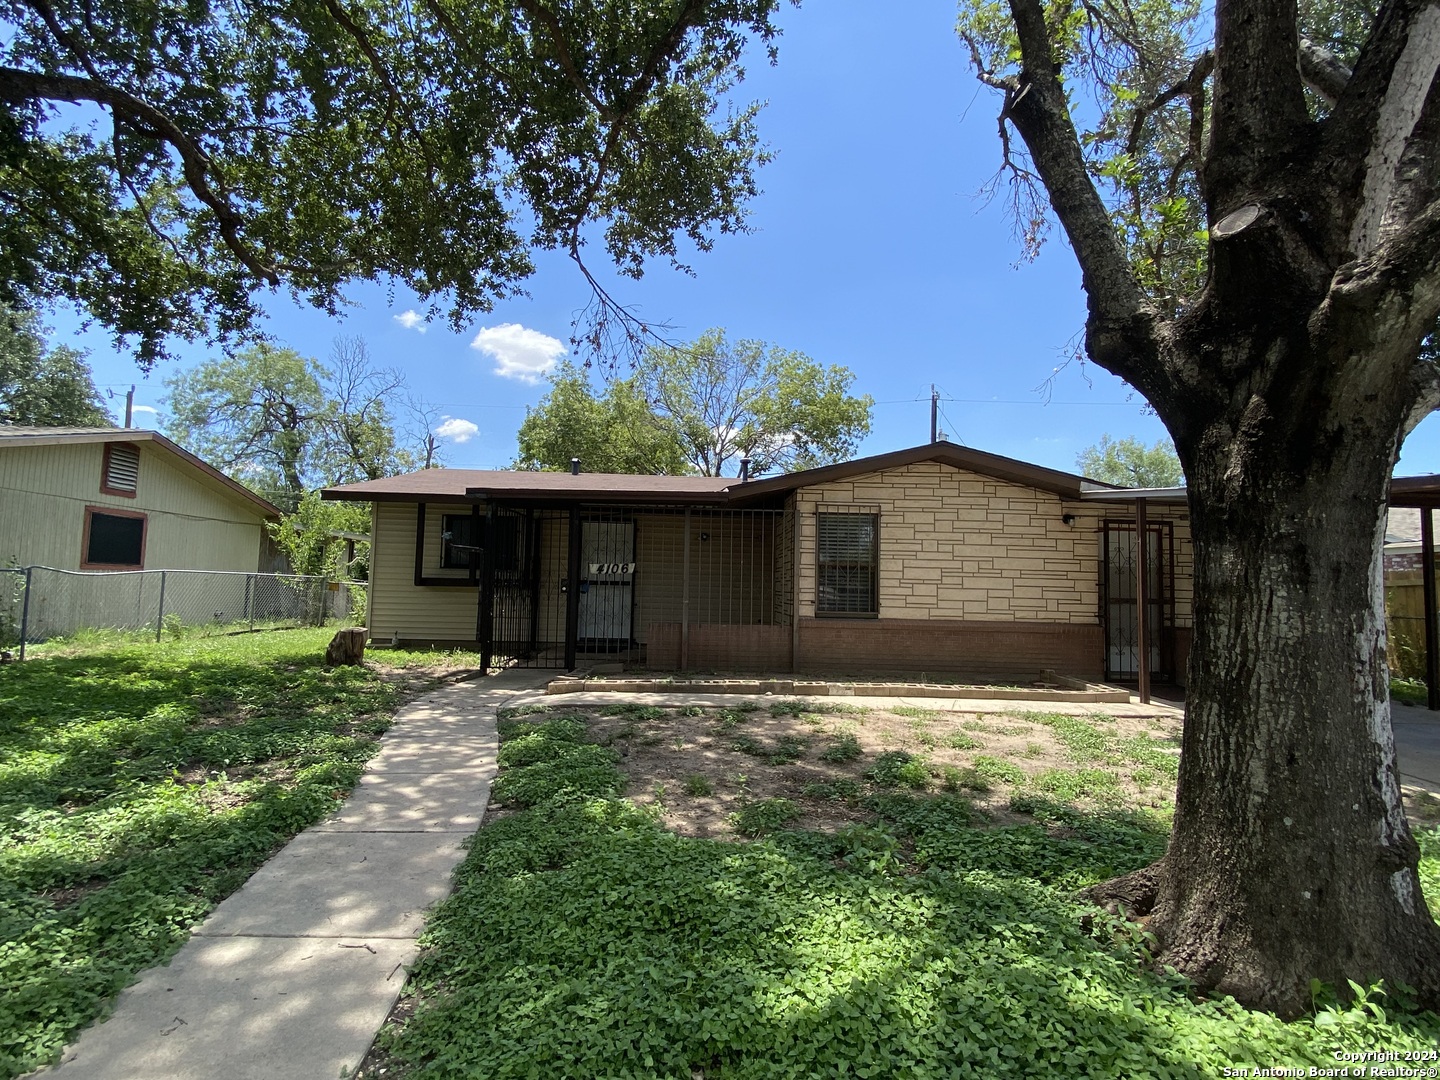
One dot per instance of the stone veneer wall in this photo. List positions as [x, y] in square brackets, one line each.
[957, 545]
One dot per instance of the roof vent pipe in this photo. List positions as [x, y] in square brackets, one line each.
[744, 469]
[574, 466]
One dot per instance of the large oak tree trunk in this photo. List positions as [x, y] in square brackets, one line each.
[1290, 857]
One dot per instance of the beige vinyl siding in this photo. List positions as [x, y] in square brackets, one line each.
[192, 523]
[958, 545]
[397, 605]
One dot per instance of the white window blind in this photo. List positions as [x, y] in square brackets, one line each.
[847, 563]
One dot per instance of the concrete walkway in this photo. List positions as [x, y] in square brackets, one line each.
[291, 976]
[1417, 745]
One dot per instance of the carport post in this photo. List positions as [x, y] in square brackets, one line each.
[685, 599]
[1142, 599]
[572, 598]
[1427, 577]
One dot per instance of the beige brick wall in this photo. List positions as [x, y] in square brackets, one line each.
[957, 545]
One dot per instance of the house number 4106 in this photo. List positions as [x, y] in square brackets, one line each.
[612, 568]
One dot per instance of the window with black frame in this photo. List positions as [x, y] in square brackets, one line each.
[462, 534]
[457, 531]
[847, 564]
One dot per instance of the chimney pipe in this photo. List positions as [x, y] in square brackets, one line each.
[744, 469]
[574, 466]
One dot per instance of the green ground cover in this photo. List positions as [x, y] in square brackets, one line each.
[584, 939]
[140, 784]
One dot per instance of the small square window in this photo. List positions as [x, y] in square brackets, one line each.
[847, 564]
[113, 540]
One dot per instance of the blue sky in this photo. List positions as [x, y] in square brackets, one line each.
[871, 247]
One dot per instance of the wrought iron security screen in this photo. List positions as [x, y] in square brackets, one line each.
[1120, 606]
[848, 561]
[565, 588]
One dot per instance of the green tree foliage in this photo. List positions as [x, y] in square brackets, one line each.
[308, 537]
[1130, 463]
[283, 424]
[615, 431]
[699, 408]
[778, 407]
[222, 149]
[44, 387]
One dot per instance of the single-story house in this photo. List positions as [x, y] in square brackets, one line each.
[122, 522]
[123, 499]
[937, 559]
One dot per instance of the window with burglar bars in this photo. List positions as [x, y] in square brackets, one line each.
[459, 542]
[463, 534]
[847, 563]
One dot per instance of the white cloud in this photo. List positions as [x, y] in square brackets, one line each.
[456, 430]
[412, 320]
[144, 408]
[519, 352]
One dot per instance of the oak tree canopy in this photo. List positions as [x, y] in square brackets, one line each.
[162, 161]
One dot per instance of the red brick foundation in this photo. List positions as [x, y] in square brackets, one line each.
[719, 647]
[979, 651]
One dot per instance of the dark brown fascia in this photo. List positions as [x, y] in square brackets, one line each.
[1059, 483]
[1415, 491]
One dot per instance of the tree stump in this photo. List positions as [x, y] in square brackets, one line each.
[346, 647]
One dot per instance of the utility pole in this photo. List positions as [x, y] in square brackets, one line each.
[934, 413]
[129, 405]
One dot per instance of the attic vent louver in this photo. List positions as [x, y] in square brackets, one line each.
[122, 468]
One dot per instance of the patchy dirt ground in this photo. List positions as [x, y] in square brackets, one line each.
[701, 766]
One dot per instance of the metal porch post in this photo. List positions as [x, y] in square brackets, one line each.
[1142, 599]
[487, 587]
[572, 595]
[795, 585]
[685, 598]
[1427, 577]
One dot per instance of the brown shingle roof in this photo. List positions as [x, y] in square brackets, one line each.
[461, 484]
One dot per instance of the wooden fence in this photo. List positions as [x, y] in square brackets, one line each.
[1405, 622]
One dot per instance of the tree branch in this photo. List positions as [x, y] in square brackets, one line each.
[541, 14]
[1188, 87]
[1375, 116]
[1396, 289]
[1322, 71]
[1121, 327]
[1259, 116]
[17, 85]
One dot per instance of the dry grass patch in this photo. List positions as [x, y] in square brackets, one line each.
[700, 767]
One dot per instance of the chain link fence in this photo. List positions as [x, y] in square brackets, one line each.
[38, 603]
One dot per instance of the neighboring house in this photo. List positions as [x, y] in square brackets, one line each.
[123, 499]
[937, 559]
[1402, 538]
